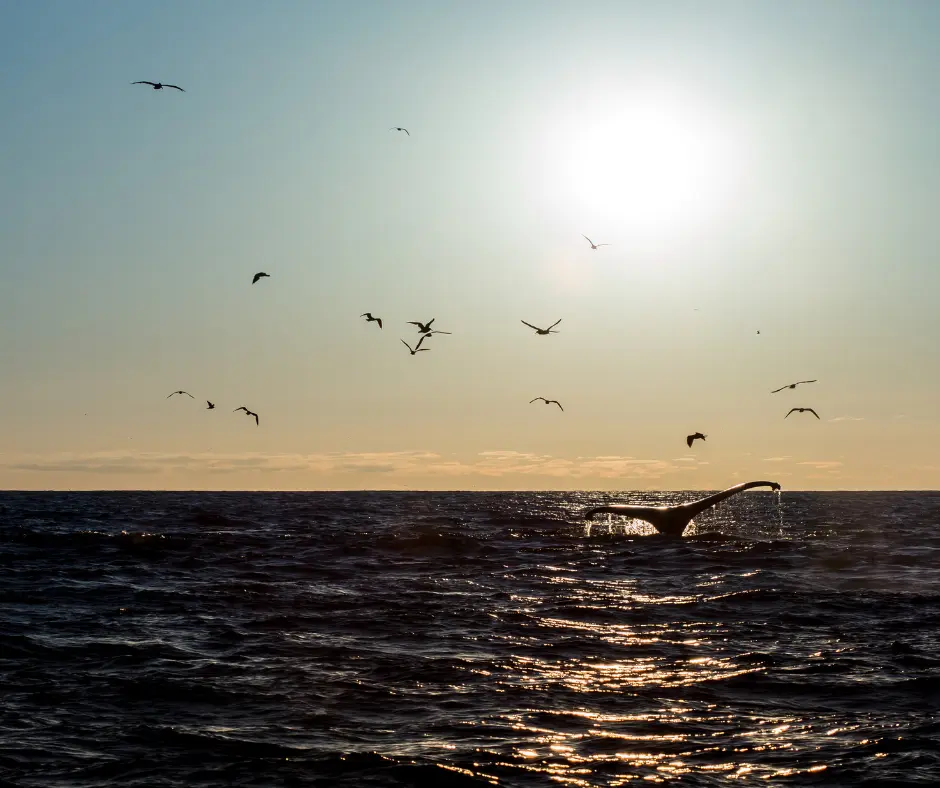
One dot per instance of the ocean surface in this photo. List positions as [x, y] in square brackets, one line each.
[466, 639]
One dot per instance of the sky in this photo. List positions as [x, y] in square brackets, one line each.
[754, 167]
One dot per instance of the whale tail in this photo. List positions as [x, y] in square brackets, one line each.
[673, 520]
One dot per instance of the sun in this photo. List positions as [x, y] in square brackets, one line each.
[648, 163]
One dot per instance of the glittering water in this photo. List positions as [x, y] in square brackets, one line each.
[382, 639]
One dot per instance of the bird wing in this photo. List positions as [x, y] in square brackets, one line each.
[405, 344]
[555, 401]
[813, 412]
[379, 321]
[414, 323]
[805, 381]
[208, 402]
[406, 132]
[175, 86]
[780, 389]
[143, 82]
[791, 411]
[554, 324]
[188, 394]
[241, 408]
[366, 314]
[587, 239]
[535, 400]
[256, 417]
[689, 439]
[440, 332]
[418, 346]
[602, 244]
[530, 325]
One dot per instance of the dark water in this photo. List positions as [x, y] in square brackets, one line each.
[384, 639]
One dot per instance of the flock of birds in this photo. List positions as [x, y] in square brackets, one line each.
[425, 331]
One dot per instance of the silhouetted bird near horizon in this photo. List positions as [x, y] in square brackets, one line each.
[544, 331]
[793, 385]
[258, 276]
[399, 128]
[689, 439]
[210, 405]
[370, 319]
[802, 410]
[180, 392]
[546, 401]
[593, 245]
[417, 348]
[158, 85]
[247, 412]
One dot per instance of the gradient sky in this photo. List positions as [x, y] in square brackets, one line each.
[774, 166]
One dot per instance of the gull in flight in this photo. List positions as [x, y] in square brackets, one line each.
[417, 348]
[547, 401]
[258, 276]
[792, 385]
[180, 392]
[800, 410]
[544, 331]
[370, 319]
[247, 412]
[399, 128]
[210, 405]
[425, 328]
[691, 438]
[593, 245]
[158, 85]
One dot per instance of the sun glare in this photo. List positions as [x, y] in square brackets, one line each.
[649, 164]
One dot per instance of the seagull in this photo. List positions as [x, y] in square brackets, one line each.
[800, 410]
[210, 405]
[247, 412]
[417, 348]
[547, 401]
[792, 385]
[399, 128]
[158, 85]
[593, 245]
[258, 276]
[180, 392]
[690, 438]
[544, 331]
[370, 319]
[425, 328]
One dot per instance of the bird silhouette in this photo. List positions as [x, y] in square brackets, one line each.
[425, 328]
[370, 319]
[690, 438]
[258, 276]
[546, 401]
[210, 405]
[158, 85]
[792, 385]
[593, 245]
[399, 128]
[544, 331]
[247, 412]
[180, 392]
[417, 348]
[801, 410]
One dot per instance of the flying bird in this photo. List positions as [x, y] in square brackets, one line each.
[210, 405]
[180, 392]
[247, 412]
[801, 410]
[417, 348]
[690, 438]
[593, 245]
[425, 328]
[258, 276]
[399, 128]
[370, 319]
[544, 331]
[792, 385]
[546, 401]
[158, 85]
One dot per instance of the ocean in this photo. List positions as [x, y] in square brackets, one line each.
[466, 639]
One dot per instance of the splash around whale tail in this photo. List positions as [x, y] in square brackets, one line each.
[673, 520]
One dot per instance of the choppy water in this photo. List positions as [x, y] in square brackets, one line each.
[384, 639]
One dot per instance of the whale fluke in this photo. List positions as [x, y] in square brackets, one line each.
[673, 520]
